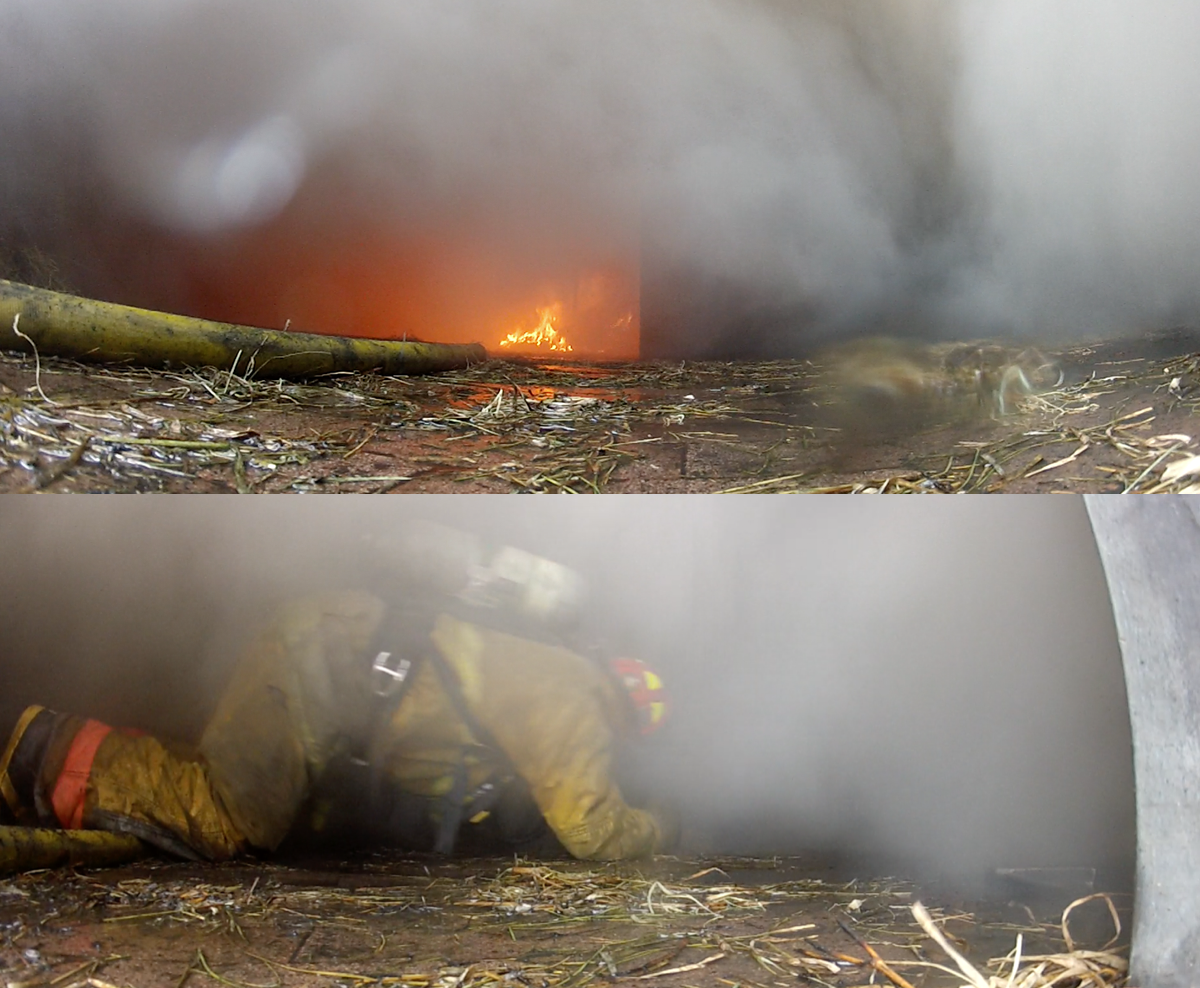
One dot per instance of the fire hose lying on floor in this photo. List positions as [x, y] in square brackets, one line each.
[34, 320]
[26, 848]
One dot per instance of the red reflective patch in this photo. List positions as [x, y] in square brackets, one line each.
[71, 787]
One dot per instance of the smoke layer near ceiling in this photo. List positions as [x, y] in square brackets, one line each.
[782, 169]
[934, 685]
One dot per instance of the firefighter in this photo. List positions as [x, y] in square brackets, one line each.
[462, 711]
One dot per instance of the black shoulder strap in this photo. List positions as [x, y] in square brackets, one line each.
[450, 683]
[403, 643]
[454, 806]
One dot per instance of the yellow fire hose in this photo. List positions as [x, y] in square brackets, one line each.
[104, 332]
[26, 848]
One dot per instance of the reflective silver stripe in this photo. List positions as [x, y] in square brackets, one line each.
[394, 677]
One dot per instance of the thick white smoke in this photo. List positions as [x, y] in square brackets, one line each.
[921, 165]
[935, 683]
[1078, 132]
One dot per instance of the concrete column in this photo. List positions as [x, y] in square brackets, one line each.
[1150, 548]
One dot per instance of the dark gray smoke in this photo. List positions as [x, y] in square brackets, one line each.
[935, 685]
[954, 166]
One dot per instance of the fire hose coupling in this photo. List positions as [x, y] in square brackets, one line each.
[387, 680]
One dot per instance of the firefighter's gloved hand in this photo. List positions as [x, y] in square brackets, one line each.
[667, 820]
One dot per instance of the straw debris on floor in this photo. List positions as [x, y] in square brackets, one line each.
[888, 419]
[475, 924]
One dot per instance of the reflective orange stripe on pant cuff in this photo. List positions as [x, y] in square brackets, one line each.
[71, 787]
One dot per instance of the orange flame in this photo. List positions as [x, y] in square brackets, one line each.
[542, 335]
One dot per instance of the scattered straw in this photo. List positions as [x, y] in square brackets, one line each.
[549, 924]
[37, 360]
[753, 427]
[1097, 968]
[1094, 897]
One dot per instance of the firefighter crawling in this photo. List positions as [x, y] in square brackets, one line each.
[444, 708]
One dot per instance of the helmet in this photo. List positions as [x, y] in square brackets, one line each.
[457, 564]
[646, 692]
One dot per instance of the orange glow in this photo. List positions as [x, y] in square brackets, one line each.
[543, 335]
[451, 284]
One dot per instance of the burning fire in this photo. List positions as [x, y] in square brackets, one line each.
[543, 335]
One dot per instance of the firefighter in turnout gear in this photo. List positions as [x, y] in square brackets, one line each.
[451, 698]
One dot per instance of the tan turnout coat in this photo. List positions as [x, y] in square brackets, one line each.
[302, 688]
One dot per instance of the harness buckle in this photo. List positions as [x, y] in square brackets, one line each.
[387, 680]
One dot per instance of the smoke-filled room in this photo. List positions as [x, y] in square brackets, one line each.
[577, 744]
[638, 246]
